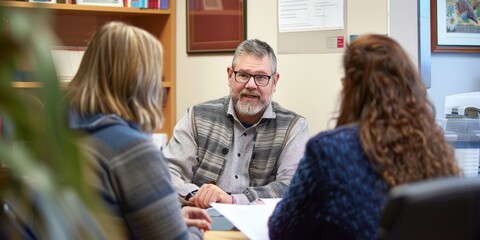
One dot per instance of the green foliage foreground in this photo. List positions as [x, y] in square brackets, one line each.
[47, 169]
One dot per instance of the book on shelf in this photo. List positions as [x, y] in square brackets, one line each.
[152, 4]
[137, 3]
[149, 4]
[163, 4]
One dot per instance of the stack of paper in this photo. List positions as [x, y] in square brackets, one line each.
[160, 139]
[251, 220]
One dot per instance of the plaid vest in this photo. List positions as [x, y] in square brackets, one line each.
[214, 134]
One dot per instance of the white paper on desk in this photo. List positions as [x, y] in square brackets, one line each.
[251, 220]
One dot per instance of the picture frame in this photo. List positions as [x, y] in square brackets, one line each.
[111, 3]
[43, 1]
[215, 26]
[452, 30]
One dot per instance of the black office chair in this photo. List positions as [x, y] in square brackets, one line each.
[442, 209]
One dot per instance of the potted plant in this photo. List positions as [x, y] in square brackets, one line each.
[43, 194]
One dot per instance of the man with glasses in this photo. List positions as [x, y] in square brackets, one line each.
[242, 147]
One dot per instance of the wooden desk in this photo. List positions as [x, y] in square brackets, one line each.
[225, 235]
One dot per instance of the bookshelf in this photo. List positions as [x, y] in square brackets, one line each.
[73, 24]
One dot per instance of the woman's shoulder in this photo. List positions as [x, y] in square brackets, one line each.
[120, 134]
[339, 134]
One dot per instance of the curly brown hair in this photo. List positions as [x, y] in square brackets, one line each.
[383, 93]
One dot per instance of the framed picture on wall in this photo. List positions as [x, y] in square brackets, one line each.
[215, 26]
[455, 25]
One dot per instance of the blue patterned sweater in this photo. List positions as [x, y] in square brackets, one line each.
[132, 178]
[335, 194]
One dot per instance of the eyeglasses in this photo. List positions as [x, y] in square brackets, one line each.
[260, 80]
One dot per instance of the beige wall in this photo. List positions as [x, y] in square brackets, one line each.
[309, 83]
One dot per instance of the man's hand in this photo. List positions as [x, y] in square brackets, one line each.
[209, 193]
[196, 217]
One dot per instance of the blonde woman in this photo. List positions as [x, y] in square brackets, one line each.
[116, 98]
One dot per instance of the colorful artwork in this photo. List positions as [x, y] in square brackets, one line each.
[462, 16]
[455, 25]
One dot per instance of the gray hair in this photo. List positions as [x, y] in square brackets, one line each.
[257, 48]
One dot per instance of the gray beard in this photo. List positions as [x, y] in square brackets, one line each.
[245, 108]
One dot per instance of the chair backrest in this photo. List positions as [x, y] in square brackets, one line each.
[447, 208]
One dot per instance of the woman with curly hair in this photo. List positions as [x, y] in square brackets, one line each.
[385, 135]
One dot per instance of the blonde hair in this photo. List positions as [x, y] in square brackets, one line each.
[121, 73]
